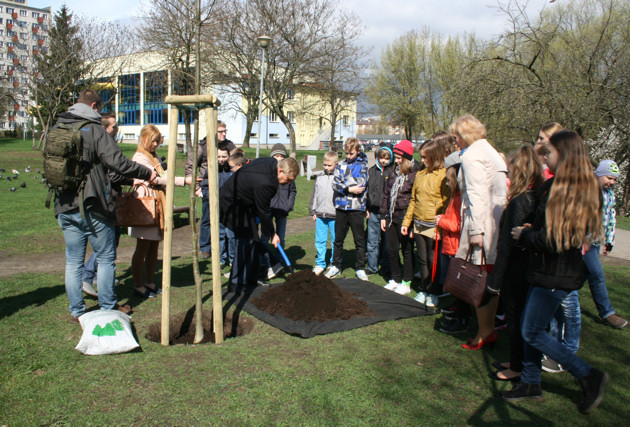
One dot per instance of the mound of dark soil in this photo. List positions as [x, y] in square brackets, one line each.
[305, 296]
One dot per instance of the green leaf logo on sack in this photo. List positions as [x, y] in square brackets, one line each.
[109, 330]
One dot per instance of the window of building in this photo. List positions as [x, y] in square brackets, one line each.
[274, 136]
[1, 32]
[9, 10]
[35, 14]
[2, 56]
[22, 13]
[23, 36]
[44, 16]
[129, 101]
[23, 57]
[290, 94]
[129, 136]
[1, 20]
[108, 94]
[1, 44]
[345, 120]
[253, 135]
[291, 116]
[9, 21]
[273, 117]
[155, 90]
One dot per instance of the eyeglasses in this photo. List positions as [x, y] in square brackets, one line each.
[222, 131]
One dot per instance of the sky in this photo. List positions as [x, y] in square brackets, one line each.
[383, 20]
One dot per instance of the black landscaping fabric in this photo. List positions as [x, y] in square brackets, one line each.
[386, 305]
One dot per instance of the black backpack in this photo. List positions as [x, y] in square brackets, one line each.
[63, 160]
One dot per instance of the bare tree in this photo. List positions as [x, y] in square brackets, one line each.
[169, 26]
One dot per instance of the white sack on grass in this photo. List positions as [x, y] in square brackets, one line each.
[106, 332]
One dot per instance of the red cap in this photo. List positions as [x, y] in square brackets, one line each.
[405, 149]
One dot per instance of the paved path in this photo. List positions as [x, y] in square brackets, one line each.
[54, 262]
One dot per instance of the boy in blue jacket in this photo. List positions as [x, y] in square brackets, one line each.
[350, 203]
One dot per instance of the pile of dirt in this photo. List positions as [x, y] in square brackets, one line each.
[305, 296]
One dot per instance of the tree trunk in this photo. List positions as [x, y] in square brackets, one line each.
[333, 124]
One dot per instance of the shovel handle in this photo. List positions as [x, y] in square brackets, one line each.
[284, 255]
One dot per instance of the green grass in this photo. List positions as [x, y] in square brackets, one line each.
[395, 373]
[28, 227]
[623, 222]
[392, 373]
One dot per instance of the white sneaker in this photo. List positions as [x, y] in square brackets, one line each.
[332, 272]
[88, 288]
[421, 297]
[318, 270]
[391, 285]
[361, 275]
[403, 288]
[431, 301]
[274, 270]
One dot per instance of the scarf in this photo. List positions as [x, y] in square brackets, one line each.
[160, 195]
[398, 183]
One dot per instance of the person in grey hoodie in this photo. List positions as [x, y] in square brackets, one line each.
[322, 209]
[100, 153]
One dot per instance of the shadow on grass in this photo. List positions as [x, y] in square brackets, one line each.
[36, 298]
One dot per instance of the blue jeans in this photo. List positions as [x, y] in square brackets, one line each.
[231, 244]
[324, 226]
[101, 235]
[91, 265]
[597, 282]
[204, 226]
[269, 258]
[540, 308]
[376, 252]
[566, 324]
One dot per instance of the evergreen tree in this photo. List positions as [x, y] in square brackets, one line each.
[58, 72]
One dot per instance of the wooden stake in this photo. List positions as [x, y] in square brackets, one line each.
[168, 228]
[213, 196]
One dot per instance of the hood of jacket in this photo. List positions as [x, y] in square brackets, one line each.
[387, 148]
[85, 112]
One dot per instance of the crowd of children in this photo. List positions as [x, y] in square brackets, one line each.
[464, 199]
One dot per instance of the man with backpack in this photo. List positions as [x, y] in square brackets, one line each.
[85, 211]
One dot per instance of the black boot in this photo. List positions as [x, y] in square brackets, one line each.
[592, 390]
[522, 391]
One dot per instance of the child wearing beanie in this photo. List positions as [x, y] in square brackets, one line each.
[607, 173]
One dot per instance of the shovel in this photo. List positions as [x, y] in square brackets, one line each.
[286, 258]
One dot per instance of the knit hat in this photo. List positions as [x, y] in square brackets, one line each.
[404, 148]
[452, 159]
[607, 168]
[278, 149]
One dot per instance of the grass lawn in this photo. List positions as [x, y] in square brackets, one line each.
[391, 373]
[623, 222]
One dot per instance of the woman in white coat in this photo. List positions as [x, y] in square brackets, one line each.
[148, 238]
[483, 184]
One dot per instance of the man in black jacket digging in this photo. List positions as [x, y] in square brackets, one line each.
[97, 225]
[244, 200]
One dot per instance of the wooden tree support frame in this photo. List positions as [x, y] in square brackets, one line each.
[209, 104]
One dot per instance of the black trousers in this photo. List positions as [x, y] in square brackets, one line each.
[514, 296]
[426, 247]
[343, 221]
[397, 243]
[246, 267]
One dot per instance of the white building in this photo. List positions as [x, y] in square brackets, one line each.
[139, 83]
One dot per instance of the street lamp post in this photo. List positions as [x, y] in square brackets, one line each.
[263, 42]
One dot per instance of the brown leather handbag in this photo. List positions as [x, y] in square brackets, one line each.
[466, 280]
[138, 207]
